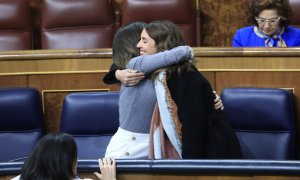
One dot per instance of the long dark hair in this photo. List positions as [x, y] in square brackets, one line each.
[124, 43]
[282, 7]
[53, 158]
[167, 36]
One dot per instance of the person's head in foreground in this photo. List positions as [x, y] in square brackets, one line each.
[54, 157]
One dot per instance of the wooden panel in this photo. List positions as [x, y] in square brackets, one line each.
[220, 19]
[52, 103]
[14, 81]
[259, 79]
[50, 61]
[248, 59]
[69, 81]
[54, 87]
[287, 80]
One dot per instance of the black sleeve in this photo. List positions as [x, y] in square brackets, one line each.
[222, 142]
[110, 77]
[206, 132]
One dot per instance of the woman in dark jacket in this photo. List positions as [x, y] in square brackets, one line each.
[206, 133]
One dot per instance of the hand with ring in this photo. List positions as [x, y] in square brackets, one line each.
[107, 168]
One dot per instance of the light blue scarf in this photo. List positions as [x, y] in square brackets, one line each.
[169, 122]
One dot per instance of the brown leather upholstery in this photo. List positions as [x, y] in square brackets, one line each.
[15, 25]
[295, 4]
[76, 24]
[181, 12]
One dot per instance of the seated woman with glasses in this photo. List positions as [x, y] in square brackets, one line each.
[270, 29]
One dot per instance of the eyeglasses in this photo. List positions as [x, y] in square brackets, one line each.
[263, 21]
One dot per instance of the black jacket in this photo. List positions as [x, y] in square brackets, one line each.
[206, 132]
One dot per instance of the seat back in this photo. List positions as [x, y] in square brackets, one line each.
[76, 24]
[263, 119]
[15, 25]
[91, 118]
[21, 122]
[181, 12]
[295, 4]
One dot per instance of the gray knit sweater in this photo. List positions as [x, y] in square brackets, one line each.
[136, 103]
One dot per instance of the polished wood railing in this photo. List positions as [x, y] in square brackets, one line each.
[182, 169]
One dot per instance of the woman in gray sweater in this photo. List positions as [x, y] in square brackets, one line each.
[136, 103]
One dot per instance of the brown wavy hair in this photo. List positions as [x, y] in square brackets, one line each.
[283, 8]
[167, 36]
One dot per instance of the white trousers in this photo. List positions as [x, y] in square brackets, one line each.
[128, 145]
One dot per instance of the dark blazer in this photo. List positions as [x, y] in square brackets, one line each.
[206, 132]
[110, 77]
